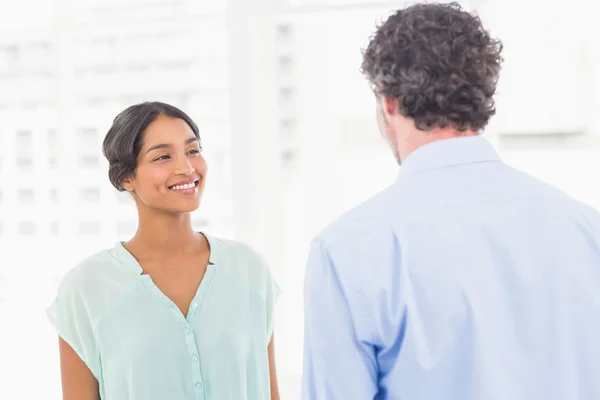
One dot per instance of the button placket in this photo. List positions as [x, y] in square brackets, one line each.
[190, 339]
[194, 360]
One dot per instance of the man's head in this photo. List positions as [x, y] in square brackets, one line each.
[434, 69]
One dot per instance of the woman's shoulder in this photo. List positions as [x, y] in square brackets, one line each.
[91, 273]
[227, 249]
[87, 267]
[240, 260]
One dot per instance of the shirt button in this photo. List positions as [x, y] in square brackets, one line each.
[194, 305]
[188, 331]
[194, 358]
[198, 386]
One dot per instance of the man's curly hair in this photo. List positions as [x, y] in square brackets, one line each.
[440, 64]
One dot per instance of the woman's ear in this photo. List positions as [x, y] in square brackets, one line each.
[128, 185]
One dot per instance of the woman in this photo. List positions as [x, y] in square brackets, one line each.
[172, 314]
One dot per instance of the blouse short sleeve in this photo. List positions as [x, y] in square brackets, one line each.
[257, 271]
[69, 314]
[272, 293]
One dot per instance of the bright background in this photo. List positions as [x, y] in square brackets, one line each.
[287, 122]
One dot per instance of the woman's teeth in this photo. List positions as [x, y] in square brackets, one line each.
[182, 187]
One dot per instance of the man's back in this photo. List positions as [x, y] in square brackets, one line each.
[465, 280]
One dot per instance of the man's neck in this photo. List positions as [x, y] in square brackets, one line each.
[421, 138]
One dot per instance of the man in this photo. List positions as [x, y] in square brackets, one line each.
[466, 279]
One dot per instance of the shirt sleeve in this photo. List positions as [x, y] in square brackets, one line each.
[271, 296]
[336, 364]
[68, 314]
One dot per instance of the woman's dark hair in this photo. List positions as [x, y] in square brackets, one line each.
[440, 64]
[123, 141]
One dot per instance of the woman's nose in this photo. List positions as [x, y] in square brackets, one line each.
[184, 167]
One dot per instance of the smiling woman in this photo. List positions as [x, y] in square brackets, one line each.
[154, 152]
[172, 313]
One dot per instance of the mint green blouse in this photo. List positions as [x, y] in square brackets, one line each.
[138, 344]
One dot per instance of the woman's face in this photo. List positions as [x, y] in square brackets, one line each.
[171, 170]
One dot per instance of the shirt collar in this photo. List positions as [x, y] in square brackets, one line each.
[448, 153]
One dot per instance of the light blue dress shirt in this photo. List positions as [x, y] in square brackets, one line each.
[138, 344]
[465, 280]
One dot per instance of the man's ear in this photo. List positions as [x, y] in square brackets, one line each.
[390, 106]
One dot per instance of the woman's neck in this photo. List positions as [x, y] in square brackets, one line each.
[165, 235]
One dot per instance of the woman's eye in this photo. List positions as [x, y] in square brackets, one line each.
[194, 151]
[162, 158]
